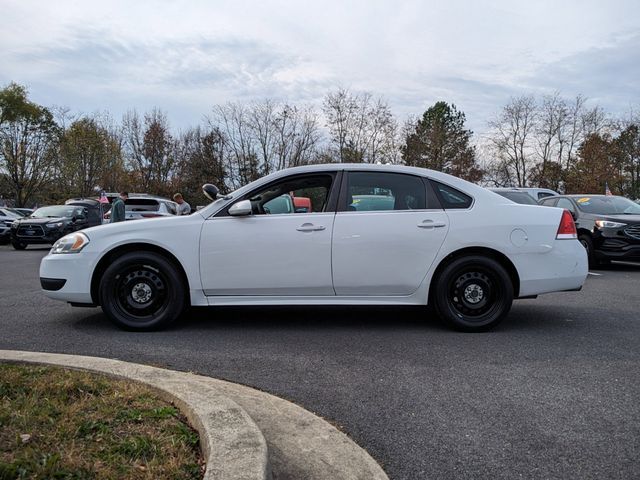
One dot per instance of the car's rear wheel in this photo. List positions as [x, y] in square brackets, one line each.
[142, 291]
[473, 293]
[18, 245]
[587, 243]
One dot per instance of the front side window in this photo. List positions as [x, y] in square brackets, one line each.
[308, 194]
[384, 191]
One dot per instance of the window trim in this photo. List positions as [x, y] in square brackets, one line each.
[336, 179]
[429, 195]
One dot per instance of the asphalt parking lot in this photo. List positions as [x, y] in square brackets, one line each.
[554, 392]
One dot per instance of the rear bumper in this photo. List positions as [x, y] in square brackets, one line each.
[562, 268]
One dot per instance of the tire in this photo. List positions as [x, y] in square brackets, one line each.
[142, 291]
[473, 294]
[587, 243]
[18, 245]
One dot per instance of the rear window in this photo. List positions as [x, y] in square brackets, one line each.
[450, 197]
[141, 205]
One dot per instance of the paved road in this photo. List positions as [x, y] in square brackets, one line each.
[554, 392]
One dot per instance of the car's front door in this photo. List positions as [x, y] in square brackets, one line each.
[278, 249]
[387, 233]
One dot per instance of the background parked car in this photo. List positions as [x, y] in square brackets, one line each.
[515, 195]
[47, 224]
[608, 226]
[7, 217]
[139, 207]
[536, 193]
[21, 212]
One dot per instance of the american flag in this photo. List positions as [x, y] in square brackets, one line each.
[606, 189]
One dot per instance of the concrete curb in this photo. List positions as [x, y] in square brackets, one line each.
[299, 445]
[232, 444]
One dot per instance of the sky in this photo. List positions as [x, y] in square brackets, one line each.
[186, 56]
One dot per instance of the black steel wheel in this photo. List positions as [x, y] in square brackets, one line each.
[473, 293]
[142, 291]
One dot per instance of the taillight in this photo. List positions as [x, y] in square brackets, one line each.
[567, 228]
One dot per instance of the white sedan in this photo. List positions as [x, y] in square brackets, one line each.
[326, 234]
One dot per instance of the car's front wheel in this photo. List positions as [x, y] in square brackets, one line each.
[18, 245]
[142, 291]
[473, 293]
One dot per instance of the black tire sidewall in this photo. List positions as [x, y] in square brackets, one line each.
[18, 245]
[451, 316]
[589, 248]
[176, 291]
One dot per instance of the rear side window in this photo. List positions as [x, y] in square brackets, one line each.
[377, 191]
[542, 195]
[549, 202]
[450, 197]
[141, 205]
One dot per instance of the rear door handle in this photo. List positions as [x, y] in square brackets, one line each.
[431, 224]
[310, 227]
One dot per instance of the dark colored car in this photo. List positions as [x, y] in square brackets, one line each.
[516, 196]
[608, 225]
[48, 224]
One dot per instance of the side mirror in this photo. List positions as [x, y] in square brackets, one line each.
[242, 208]
[210, 191]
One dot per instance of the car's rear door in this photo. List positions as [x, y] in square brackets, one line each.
[276, 250]
[387, 233]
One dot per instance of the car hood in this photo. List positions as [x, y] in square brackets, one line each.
[619, 218]
[41, 221]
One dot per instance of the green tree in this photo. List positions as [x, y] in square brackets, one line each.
[28, 135]
[87, 154]
[440, 141]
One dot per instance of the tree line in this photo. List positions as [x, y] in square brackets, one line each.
[48, 154]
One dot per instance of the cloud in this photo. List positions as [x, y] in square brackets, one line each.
[186, 56]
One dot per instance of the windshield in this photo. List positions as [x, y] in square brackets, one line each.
[5, 212]
[57, 211]
[607, 205]
[519, 197]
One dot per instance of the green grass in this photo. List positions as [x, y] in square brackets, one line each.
[87, 426]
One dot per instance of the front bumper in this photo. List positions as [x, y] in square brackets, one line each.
[47, 238]
[75, 270]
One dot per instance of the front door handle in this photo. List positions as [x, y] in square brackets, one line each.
[431, 224]
[310, 227]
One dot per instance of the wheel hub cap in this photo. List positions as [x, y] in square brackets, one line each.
[141, 293]
[473, 293]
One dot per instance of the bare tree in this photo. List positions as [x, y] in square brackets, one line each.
[149, 149]
[264, 137]
[362, 129]
[511, 136]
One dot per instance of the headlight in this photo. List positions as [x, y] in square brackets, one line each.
[608, 224]
[55, 225]
[70, 243]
